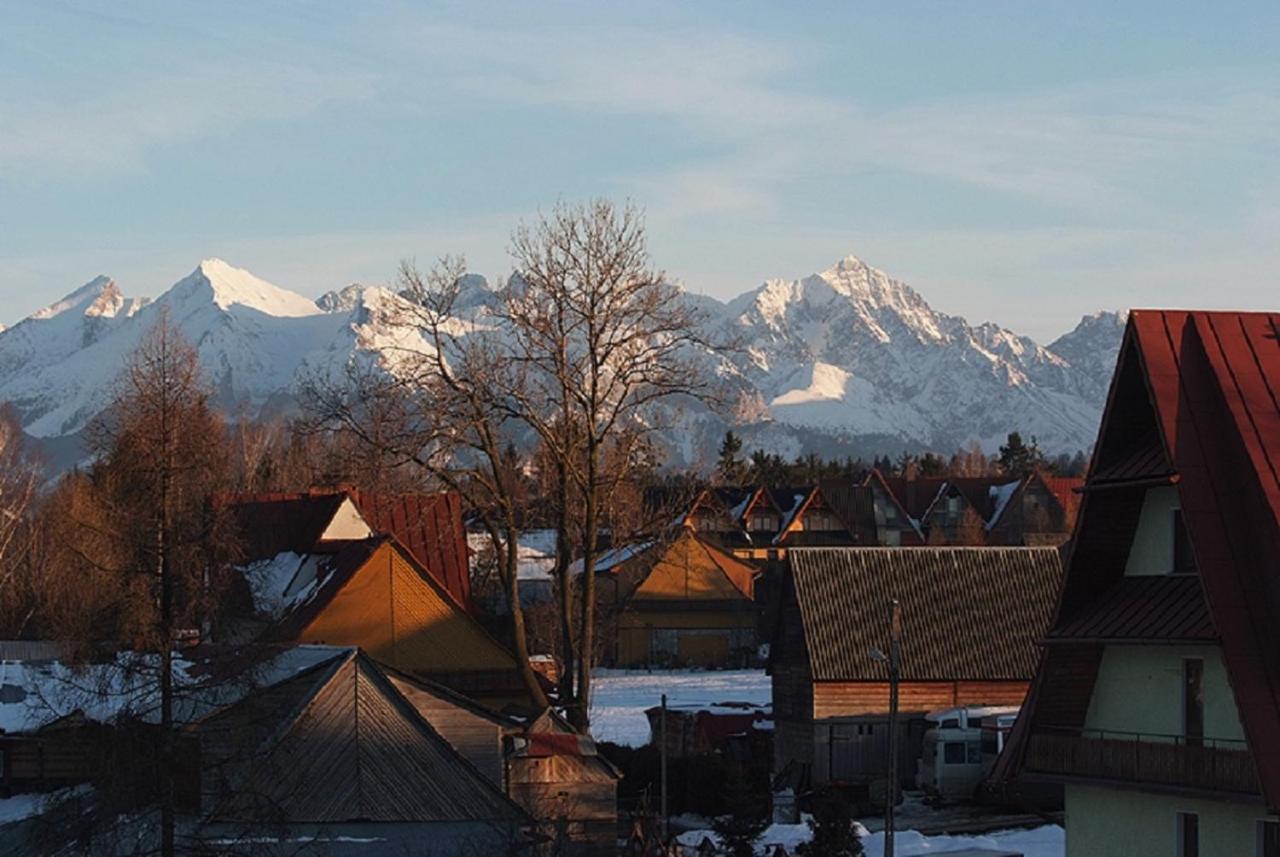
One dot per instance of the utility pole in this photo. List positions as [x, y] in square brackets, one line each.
[895, 662]
[666, 819]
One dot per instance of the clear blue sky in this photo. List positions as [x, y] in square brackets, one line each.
[1018, 162]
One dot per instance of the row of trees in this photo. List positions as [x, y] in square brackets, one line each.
[1015, 458]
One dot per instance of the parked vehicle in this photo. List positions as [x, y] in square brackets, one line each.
[961, 748]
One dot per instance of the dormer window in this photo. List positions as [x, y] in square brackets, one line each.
[1184, 561]
[820, 520]
[763, 522]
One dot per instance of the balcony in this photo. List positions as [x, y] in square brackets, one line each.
[1156, 761]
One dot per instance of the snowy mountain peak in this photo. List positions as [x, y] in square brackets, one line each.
[845, 360]
[228, 286]
[100, 296]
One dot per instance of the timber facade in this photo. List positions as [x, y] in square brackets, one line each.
[686, 603]
[972, 622]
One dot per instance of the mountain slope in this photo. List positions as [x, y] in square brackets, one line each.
[844, 361]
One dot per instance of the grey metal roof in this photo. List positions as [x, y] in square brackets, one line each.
[968, 613]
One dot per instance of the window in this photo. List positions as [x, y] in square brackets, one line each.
[820, 520]
[1183, 560]
[950, 723]
[953, 753]
[1188, 834]
[1268, 839]
[973, 752]
[1193, 700]
[764, 522]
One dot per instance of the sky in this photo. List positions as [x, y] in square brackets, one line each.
[1023, 163]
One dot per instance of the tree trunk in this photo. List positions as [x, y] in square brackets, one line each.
[564, 579]
[512, 582]
[580, 715]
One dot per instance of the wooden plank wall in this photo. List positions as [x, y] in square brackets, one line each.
[844, 699]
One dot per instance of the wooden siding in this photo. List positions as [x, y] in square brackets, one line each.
[477, 738]
[844, 699]
[390, 611]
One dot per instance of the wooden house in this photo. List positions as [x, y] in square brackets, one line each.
[374, 594]
[1041, 511]
[551, 771]
[1157, 705]
[560, 778]
[1033, 510]
[973, 618]
[759, 524]
[428, 526]
[686, 602]
[335, 754]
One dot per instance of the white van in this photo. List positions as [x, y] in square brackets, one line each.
[961, 747]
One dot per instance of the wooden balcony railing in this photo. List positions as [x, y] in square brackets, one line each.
[1212, 764]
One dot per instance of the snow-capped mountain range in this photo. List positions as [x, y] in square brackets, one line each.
[846, 361]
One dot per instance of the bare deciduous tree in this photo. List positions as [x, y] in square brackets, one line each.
[607, 345]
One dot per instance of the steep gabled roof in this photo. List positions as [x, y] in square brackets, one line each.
[1206, 387]
[1214, 380]
[339, 743]
[689, 568]
[968, 613]
[429, 526]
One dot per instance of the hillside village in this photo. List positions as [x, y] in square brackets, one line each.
[455, 594]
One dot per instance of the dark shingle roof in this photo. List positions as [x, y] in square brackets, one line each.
[968, 613]
[1163, 607]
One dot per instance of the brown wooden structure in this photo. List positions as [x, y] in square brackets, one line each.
[972, 616]
[684, 603]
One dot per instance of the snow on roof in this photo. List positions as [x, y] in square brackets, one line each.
[35, 694]
[535, 553]
[281, 583]
[1000, 496]
[615, 556]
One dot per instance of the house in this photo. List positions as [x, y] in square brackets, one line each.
[428, 526]
[1036, 509]
[1157, 706]
[336, 754]
[1041, 510]
[554, 773]
[759, 524]
[686, 602]
[373, 593]
[560, 778]
[972, 617]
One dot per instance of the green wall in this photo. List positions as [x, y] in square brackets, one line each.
[1139, 689]
[1152, 550]
[1104, 822]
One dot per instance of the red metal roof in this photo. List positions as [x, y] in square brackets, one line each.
[1212, 387]
[1214, 379]
[428, 526]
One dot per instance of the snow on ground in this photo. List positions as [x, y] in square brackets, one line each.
[1047, 841]
[619, 697]
[22, 806]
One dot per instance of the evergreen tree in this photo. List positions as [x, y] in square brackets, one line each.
[1018, 458]
[932, 465]
[747, 820]
[835, 833]
[729, 466]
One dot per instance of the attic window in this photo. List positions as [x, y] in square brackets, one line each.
[820, 520]
[766, 522]
[1184, 561]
